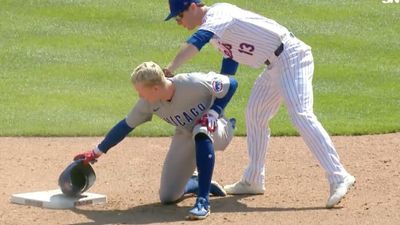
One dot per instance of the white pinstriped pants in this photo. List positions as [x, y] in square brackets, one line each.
[289, 80]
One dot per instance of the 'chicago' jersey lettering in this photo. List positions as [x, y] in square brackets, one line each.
[186, 116]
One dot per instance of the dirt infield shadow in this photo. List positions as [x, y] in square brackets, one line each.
[158, 213]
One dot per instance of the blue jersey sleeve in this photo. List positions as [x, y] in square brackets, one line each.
[220, 103]
[115, 135]
[200, 38]
[229, 66]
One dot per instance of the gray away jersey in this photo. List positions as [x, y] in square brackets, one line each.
[194, 94]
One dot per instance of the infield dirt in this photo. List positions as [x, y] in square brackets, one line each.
[296, 188]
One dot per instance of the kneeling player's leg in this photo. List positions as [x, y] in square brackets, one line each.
[221, 138]
[205, 159]
[178, 166]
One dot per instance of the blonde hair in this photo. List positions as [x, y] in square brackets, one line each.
[149, 74]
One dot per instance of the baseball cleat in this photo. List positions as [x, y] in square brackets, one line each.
[244, 188]
[216, 189]
[192, 187]
[339, 190]
[200, 210]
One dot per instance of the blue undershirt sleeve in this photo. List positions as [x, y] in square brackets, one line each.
[220, 103]
[200, 38]
[229, 66]
[115, 135]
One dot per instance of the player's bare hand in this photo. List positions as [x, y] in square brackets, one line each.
[210, 120]
[167, 73]
[88, 157]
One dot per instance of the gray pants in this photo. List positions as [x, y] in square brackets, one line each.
[180, 162]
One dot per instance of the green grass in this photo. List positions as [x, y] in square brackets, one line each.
[65, 64]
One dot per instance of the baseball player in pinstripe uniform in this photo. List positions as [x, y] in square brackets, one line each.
[247, 38]
[194, 103]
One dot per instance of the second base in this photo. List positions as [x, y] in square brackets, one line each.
[55, 199]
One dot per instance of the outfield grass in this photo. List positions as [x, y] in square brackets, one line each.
[65, 64]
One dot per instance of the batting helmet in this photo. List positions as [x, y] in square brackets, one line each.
[76, 178]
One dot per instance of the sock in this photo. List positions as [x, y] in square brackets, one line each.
[205, 159]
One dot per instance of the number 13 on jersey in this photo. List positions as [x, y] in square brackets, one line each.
[243, 48]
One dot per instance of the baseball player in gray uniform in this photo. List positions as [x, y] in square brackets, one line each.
[247, 38]
[194, 104]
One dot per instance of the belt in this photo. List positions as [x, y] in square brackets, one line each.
[277, 52]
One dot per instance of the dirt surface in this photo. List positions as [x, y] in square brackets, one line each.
[129, 174]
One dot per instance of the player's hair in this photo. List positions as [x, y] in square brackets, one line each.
[149, 74]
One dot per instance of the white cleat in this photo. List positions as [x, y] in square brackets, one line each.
[339, 190]
[244, 188]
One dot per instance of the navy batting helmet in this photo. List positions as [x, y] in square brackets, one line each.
[76, 178]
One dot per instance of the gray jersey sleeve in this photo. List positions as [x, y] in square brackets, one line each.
[140, 113]
[217, 84]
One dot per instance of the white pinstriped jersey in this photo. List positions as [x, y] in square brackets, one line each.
[244, 36]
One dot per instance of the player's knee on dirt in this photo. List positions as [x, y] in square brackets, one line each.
[169, 193]
[169, 197]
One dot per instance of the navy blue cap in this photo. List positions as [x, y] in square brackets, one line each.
[178, 6]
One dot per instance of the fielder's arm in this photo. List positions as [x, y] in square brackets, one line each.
[229, 66]
[192, 47]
